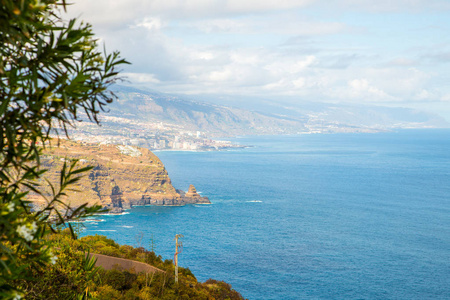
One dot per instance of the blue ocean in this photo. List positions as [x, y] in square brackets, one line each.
[339, 216]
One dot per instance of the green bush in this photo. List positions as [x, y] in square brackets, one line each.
[114, 278]
[50, 71]
[107, 292]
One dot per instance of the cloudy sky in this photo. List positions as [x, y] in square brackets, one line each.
[387, 52]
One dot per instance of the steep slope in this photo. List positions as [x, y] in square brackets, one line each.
[122, 176]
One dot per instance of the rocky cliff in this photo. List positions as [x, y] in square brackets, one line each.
[122, 176]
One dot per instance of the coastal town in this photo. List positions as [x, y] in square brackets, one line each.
[150, 135]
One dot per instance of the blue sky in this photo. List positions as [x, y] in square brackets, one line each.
[381, 52]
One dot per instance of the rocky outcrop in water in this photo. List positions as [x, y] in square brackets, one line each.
[193, 197]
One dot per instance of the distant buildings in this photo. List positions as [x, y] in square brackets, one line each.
[155, 136]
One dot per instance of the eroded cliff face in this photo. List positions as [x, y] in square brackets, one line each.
[122, 176]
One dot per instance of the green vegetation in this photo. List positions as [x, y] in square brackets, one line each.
[74, 274]
[50, 72]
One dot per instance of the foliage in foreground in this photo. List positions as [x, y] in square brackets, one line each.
[72, 273]
[51, 72]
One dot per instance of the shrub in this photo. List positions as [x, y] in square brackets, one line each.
[50, 70]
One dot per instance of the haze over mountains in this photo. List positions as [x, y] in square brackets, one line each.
[254, 116]
[215, 120]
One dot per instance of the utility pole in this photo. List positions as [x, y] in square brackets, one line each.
[180, 246]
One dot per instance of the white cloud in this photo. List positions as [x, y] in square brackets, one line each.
[119, 12]
[359, 85]
[361, 89]
[221, 76]
[424, 95]
[401, 82]
[152, 24]
[299, 82]
[380, 6]
[264, 5]
[402, 62]
[236, 47]
[283, 24]
[220, 25]
[141, 77]
[203, 55]
[281, 67]
[445, 98]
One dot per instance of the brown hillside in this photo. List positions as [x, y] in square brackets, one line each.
[122, 176]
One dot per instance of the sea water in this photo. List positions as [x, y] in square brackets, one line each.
[342, 216]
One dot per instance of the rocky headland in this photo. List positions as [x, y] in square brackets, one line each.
[122, 176]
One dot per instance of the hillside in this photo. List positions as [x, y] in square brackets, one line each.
[122, 176]
[191, 115]
[73, 274]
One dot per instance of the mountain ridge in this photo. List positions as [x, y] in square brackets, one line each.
[214, 119]
[265, 117]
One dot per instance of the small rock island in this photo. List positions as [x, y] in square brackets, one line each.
[180, 198]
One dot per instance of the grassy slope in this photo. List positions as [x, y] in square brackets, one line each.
[71, 275]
